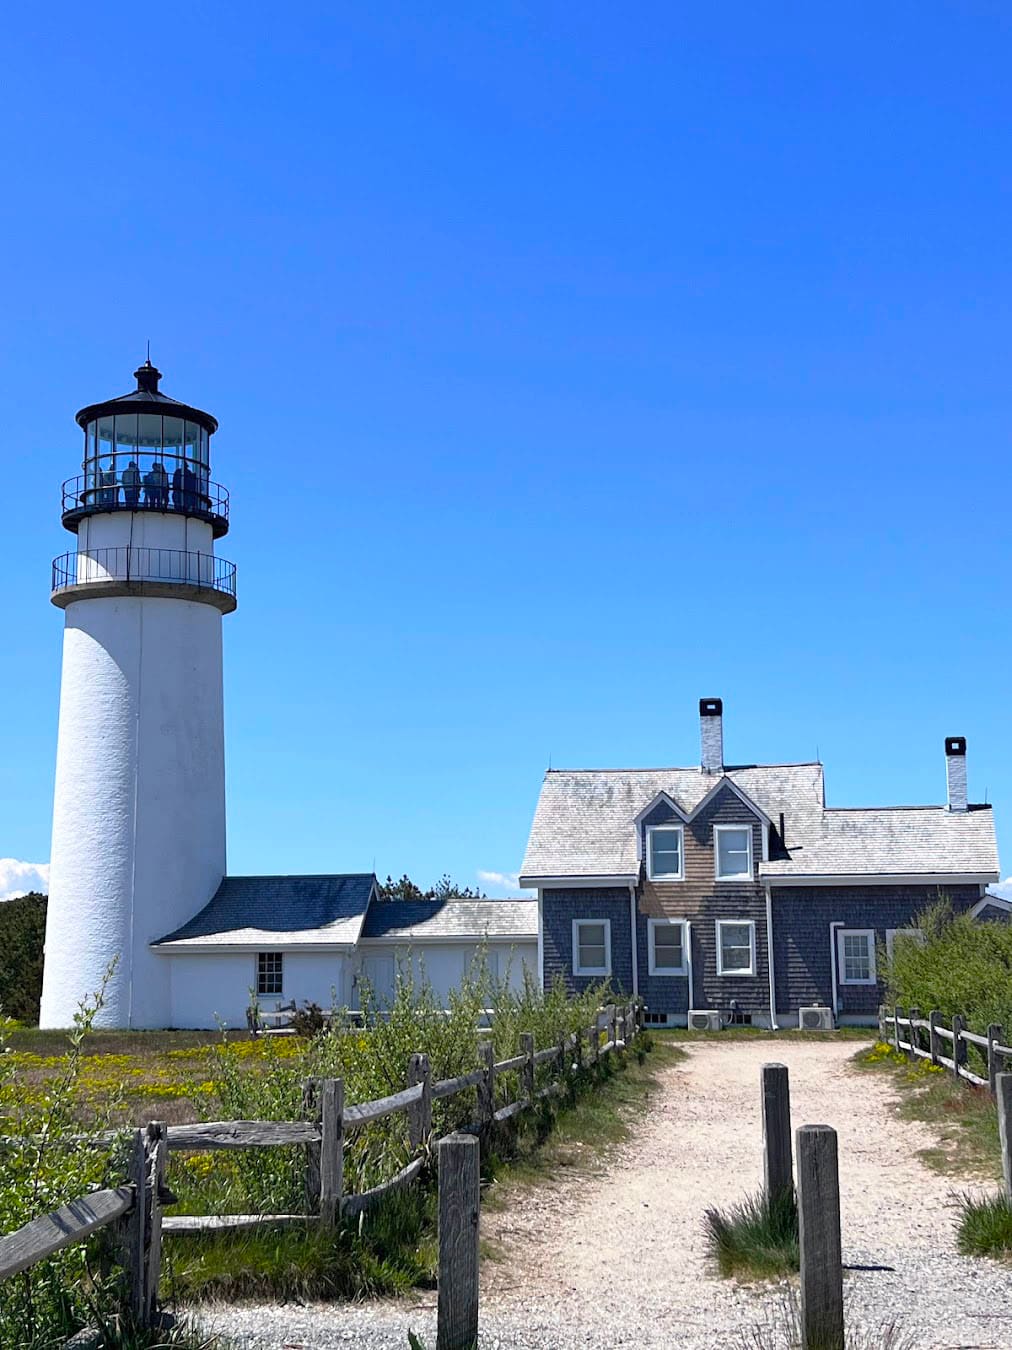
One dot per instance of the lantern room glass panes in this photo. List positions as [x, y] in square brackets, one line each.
[133, 459]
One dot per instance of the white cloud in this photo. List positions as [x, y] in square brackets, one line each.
[17, 878]
[506, 881]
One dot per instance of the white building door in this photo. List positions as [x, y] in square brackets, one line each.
[378, 973]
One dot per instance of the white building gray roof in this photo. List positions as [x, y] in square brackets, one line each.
[264, 912]
[584, 826]
[453, 919]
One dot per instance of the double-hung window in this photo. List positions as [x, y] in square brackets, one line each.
[856, 955]
[732, 851]
[665, 850]
[666, 946]
[591, 946]
[270, 972]
[735, 947]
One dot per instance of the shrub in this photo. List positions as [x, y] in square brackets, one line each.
[22, 934]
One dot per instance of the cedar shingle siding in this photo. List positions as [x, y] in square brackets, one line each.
[703, 900]
[560, 908]
[801, 936]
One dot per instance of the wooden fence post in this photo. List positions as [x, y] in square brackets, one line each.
[457, 1289]
[134, 1232]
[1003, 1105]
[527, 1050]
[896, 1027]
[311, 1111]
[612, 1023]
[915, 1036]
[331, 1150]
[157, 1159]
[934, 1017]
[486, 1088]
[993, 1039]
[881, 1021]
[819, 1233]
[957, 1043]
[577, 1049]
[778, 1171]
[420, 1113]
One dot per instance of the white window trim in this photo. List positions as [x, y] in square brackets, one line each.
[652, 967]
[737, 876]
[891, 933]
[841, 964]
[592, 970]
[666, 829]
[736, 923]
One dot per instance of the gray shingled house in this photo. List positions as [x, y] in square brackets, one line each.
[733, 893]
[320, 938]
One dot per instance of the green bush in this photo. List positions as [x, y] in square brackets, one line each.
[22, 934]
[958, 965]
[985, 1226]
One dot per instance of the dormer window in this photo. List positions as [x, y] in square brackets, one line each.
[732, 851]
[665, 853]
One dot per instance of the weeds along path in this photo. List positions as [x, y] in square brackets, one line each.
[616, 1258]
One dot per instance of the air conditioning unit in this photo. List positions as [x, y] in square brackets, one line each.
[704, 1019]
[815, 1018]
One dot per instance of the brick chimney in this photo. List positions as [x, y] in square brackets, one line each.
[711, 734]
[955, 771]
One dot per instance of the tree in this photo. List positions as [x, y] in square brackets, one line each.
[22, 935]
[444, 889]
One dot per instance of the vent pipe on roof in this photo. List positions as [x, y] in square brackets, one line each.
[711, 734]
[955, 772]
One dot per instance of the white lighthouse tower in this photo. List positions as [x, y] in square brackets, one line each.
[139, 814]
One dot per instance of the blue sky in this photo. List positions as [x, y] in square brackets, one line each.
[572, 362]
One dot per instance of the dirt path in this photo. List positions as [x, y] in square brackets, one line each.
[618, 1260]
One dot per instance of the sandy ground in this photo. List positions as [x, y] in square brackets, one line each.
[618, 1260]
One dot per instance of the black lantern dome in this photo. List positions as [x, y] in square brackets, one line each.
[146, 451]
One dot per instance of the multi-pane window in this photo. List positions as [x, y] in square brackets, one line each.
[733, 852]
[735, 947]
[591, 947]
[270, 972]
[664, 853]
[856, 951]
[666, 940]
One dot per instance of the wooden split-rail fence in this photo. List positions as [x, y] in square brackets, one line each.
[929, 1038]
[133, 1212]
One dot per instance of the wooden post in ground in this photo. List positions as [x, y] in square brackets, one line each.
[934, 1017]
[457, 1290]
[993, 1039]
[915, 1035]
[578, 1049]
[331, 1150]
[896, 1027]
[1003, 1104]
[486, 1088]
[612, 1023]
[132, 1236]
[420, 1112]
[594, 1043]
[957, 1043]
[157, 1158]
[311, 1111]
[527, 1050]
[819, 1233]
[881, 1021]
[778, 1171]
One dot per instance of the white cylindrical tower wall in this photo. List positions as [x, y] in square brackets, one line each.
[139, 816]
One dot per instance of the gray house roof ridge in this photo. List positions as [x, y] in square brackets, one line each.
[927, 806]
[694, 768]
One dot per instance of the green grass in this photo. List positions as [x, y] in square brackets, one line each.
[677, 1034]
[756, 1239]
[985, 1227]
[392, 1249]
[962, 1116]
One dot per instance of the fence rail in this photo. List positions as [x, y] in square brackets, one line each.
[903, 1027]
[134, 1211]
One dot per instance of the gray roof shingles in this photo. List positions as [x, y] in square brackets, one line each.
[584, 825]
[515, 920]
[281, 911]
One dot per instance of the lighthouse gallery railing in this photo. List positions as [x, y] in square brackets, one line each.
[169, 565]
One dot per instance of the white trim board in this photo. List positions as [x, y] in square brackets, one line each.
[777, 880]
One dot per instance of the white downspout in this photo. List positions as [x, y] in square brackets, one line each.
[688, 967]
[769, 960]
[635, 953]
[541, 944]
[832, 965]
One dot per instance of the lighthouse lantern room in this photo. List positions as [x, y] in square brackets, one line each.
[139, 811]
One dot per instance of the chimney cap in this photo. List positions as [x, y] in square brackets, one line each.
[955, 745]
[711, 707]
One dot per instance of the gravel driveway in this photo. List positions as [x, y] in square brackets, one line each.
[617, 1259]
